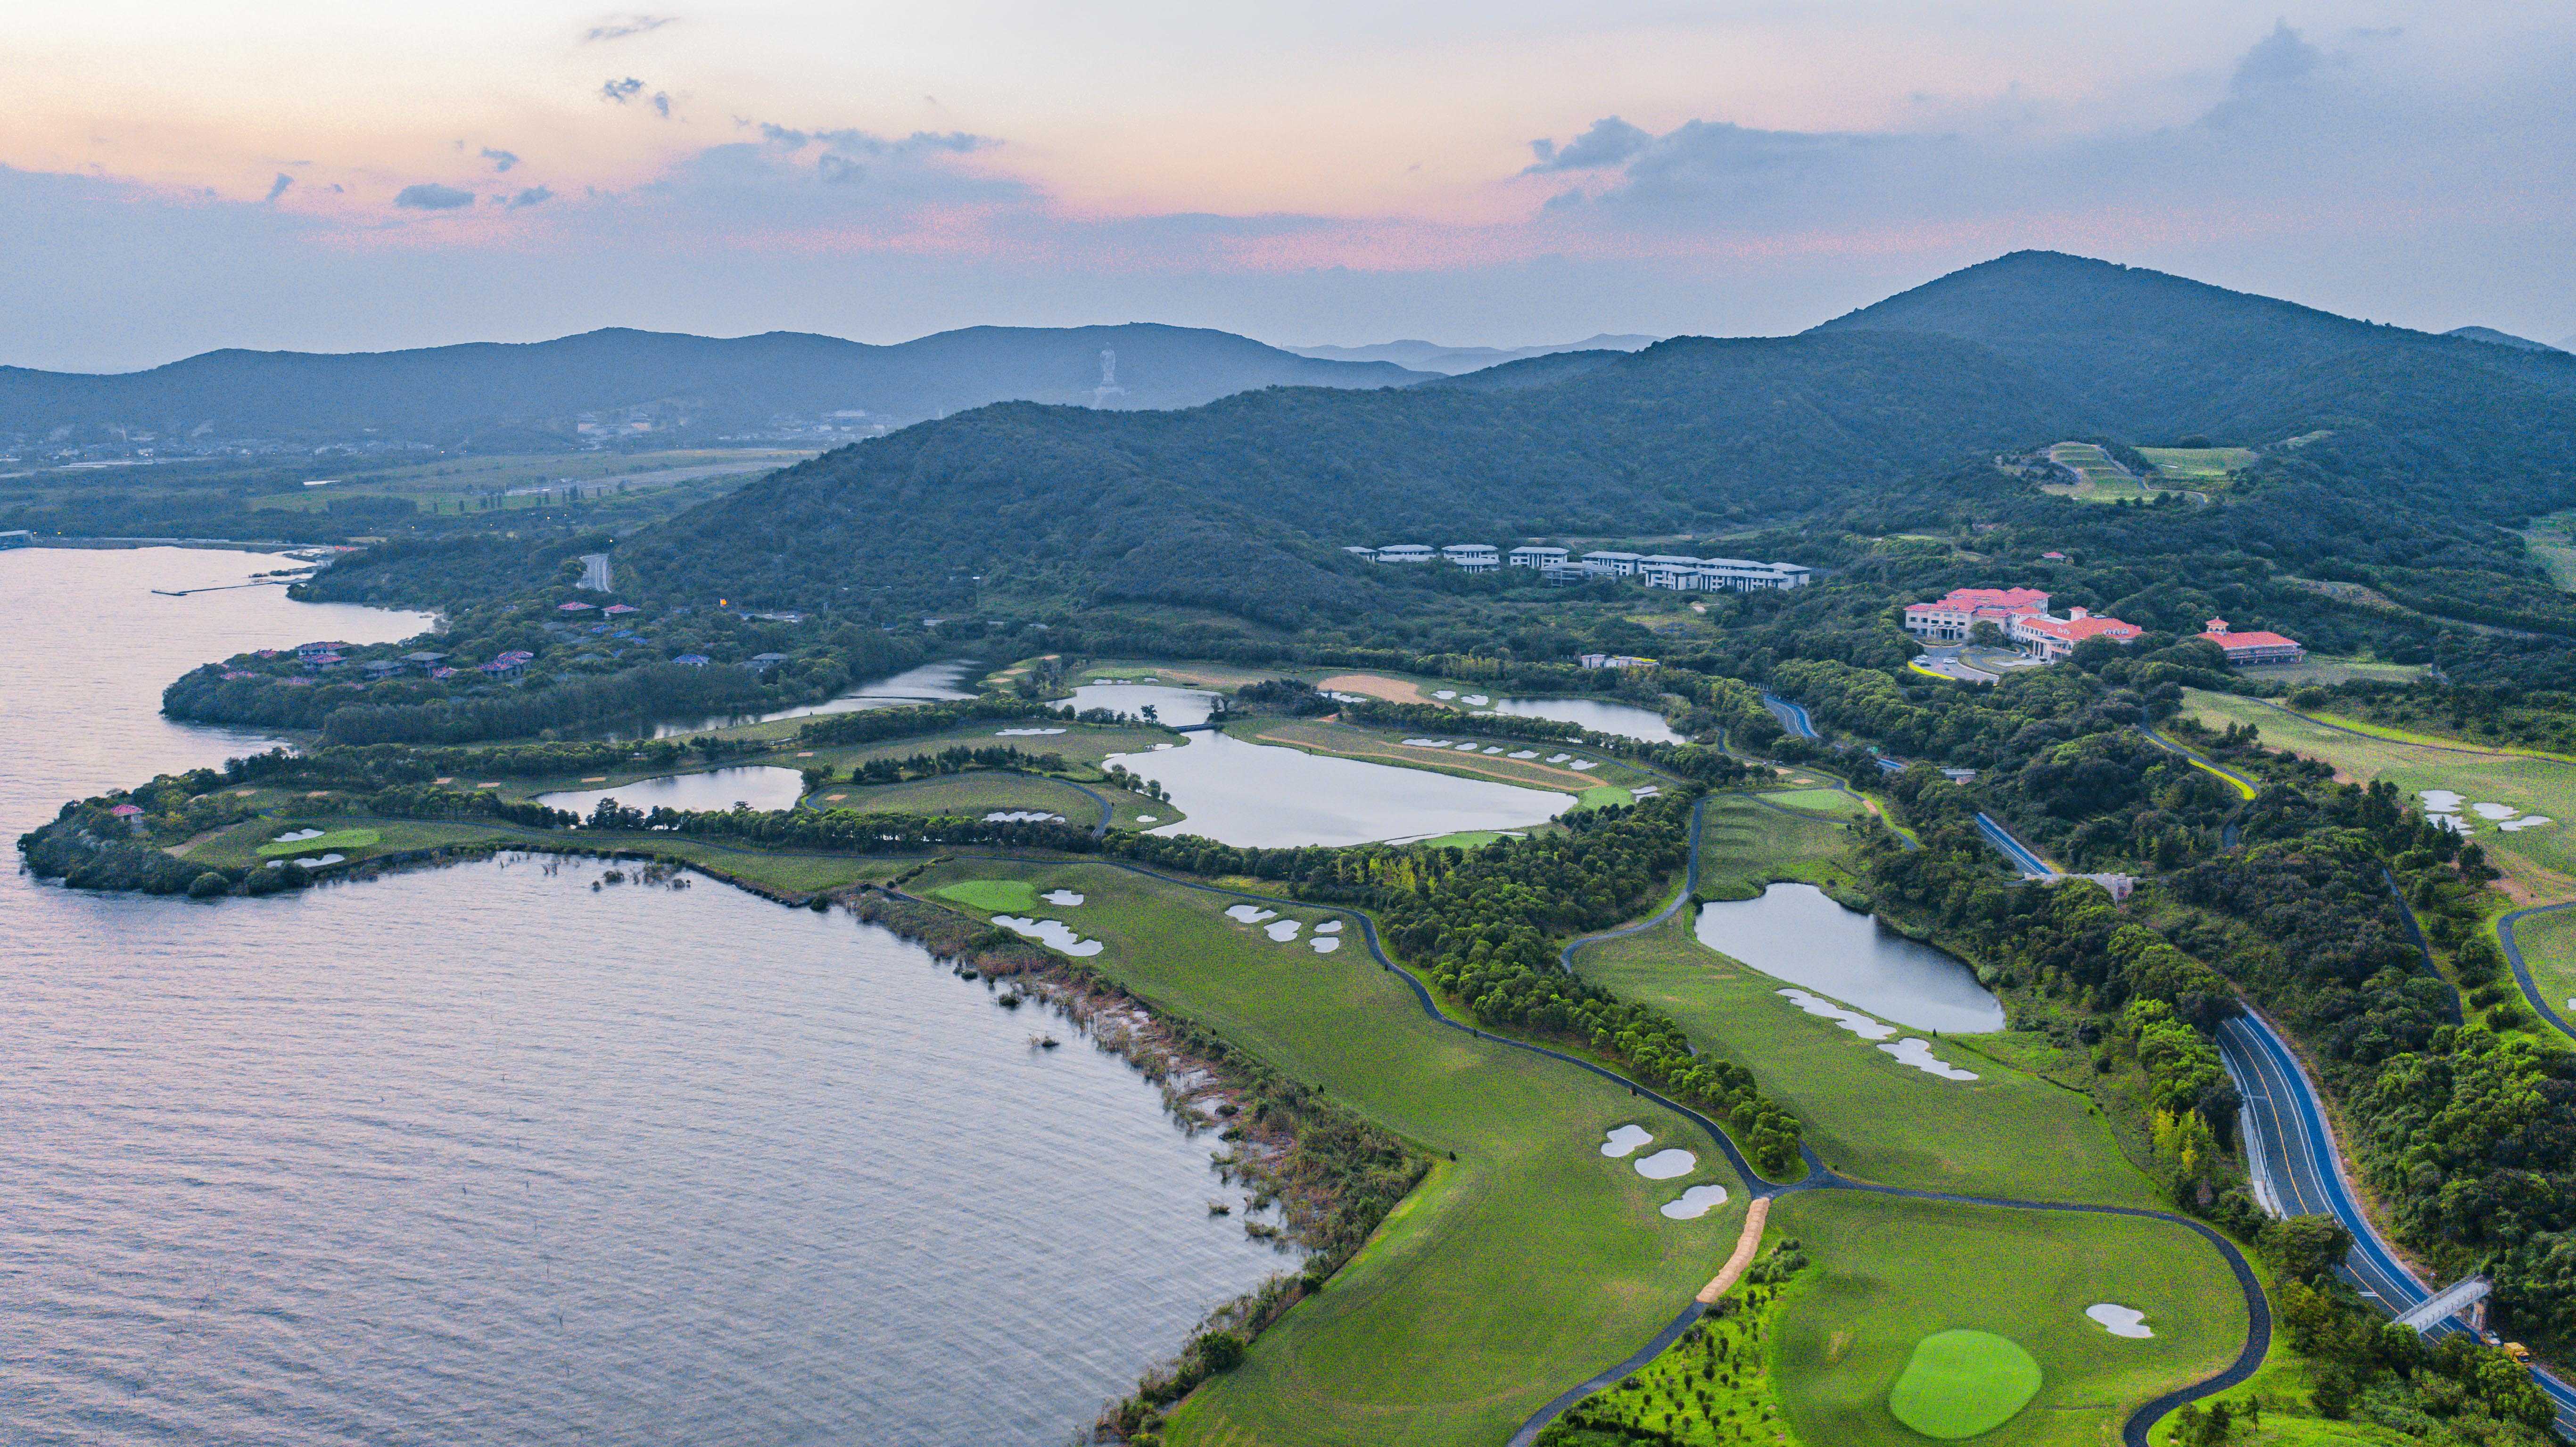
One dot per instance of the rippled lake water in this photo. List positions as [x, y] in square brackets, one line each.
[1601, 716]
[762, 786]
[1797, 933]
[482, 1156]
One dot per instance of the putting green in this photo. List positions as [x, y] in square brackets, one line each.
[993, 896]
[1961, 1383]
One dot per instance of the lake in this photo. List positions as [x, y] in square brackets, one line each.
[1263, 796]
[929, 683]
[1798, 934]
[762, 786]
[1624, 719]
[479, 1155]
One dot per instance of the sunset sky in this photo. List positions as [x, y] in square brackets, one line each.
[181, 176]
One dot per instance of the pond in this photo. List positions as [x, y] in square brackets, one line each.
[762, 786]
[1797, 933]
[1624, 719]
[1258, 796]
[930, 683]
[1174, 706]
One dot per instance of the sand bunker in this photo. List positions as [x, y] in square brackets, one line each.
[291, 837]
[1426, 743]
[1249, 913]
[1525, 754]
[307, 863]
[1149, 818]
[1023, 733]
[1585, 764]
[1663, 1165]
[1446, 693]
[2485, 809]
[1061, 896]
[1282, 931]
[2119, 1320]
[1625, 1139]
[1696, 1202]
[1051, 932]
[1329, 927]
[1558, 758]
[2527, 821]
[1477, 699]
[1852, 1020]
[1914, 1050]
[2440, 801]
[1326, 944]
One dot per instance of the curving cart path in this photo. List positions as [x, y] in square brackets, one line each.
[2522, 972]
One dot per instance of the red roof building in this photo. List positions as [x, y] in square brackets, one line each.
[572, 607]
[1948, 619]
[2250, 649]
[2055, 638]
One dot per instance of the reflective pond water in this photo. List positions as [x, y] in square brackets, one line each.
[762, 786]
[478, 1155]
[929, 683]
[1797, 933]
[1624, 719]
[1257, 795]
[1174, 706]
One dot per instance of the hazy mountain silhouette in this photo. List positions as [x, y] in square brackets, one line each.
[1452, 361]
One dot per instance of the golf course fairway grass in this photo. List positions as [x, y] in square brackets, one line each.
[992, 896]
[1893, 1271]
[1516, 1270]
[1961, 1383]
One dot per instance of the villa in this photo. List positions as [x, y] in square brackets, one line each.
[1538, 558]
[1616, 565]
[2256, 648]
[1561, 571]
[1742, 575]
[1474, 557]
[2055, 638]
[1406, 553]
[1615, 660]
[1668, 570]
[1365, 555]
[1947, 619]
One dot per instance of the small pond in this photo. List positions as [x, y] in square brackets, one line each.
[1624, 719]
[1174, 706]
[1258, 796]
[1797, 933]
[759, 785]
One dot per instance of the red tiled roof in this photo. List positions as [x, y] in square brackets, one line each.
[2076, 630]
[2234, 641]
[1989, 598]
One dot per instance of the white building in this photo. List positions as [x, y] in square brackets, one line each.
[1474, 557]
[1563, 572]
[1743, 575]
[1406, 553]
[1669, 570]
[1365, 555]
[1535, 557]
[1617, 565]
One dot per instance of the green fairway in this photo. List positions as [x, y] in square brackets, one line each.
[973, 795]
[1744, 845]
[1465, 839]
[2198, 466]
[343, 840]
[1819, 801]
[2548, 943]
[1603, 796]
[1895, 1271]
[2008, 1132]
[1961, 1383]
[2534, 785]
[1516, 1270]
[992, 896]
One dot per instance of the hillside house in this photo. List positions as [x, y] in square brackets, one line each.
[1949, 618]
[1616, 565]
[1743, 575]
[763, 662]
[1535, 557]
[1668, 570]
[1365, 555]
[2055, 638]
[1615, 660]
[1406, 553]
[1474, 557]
[2250, 650]
[317, 650]
[1561, 571]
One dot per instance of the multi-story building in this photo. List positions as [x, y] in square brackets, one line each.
[1535, 557]
[1668, 570]
[1617, 565]
[1743, 575]
[1406, 553]
[2249, 649]
[1947, 619]
[1474, 557]
[2055, 638]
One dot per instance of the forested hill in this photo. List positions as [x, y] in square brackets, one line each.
[2158, 355]
[696, 384]
[1245, 504]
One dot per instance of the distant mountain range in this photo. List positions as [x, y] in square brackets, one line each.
[1451, 361]
[700, 386]
[2505, 339]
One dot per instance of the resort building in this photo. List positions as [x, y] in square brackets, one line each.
[1561, 571]
[1617, 565]
[1535, 557]
[1947, 619]
[2055, 638]
[1365, 555]
[2249, 649]
[317, 650]
[1743, 575]
[1615, 660]
[1668, 570]
[1474, 557]
[1406, 553]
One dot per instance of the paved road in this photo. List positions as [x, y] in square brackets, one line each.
[2023, 857]
[2298, 1170]
[594, 572]
[2229, 831]
[1792, 717]
[2522, 972]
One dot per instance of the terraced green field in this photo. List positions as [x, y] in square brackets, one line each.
[1521, 1267]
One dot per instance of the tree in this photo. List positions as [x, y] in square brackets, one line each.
[2306, 1248]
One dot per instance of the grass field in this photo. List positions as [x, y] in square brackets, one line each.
[2104, 479]
[1819, 801]
[1744, 845]
[253, 841]
[1961, 1383]
[2200, 468]
[1894, 1271]
[2317, 668]
[2535, 785]
[1518, 1269]
[974, 795]
[346, 841]
[2552, 541]
[2548, 943]
[991, 896]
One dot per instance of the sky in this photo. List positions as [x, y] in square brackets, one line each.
[181, 175]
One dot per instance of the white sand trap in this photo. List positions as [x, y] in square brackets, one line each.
[2125, 1321]
[1282, 931]
[1149, 818]
[1914, 1050]
[2452, 822]
[1445, 693]
[1052, 932]
[1018, 733]
[1478, 699]
[1329, 927]
[1525, 754]
[1326, 944]
[1625, 1139]
[1494, 750]
[290, 838]
[2527, 821]
[1585, 764]
[1696, 1202]
[1022, 816]
[1424, 744]
[1647, 791]
[1558, 758]
[1249, 913]
[308, 863]
[1061, 896]
[2487, 810]
[1663, 1165]
[1852, 1020]
[2440, 801]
